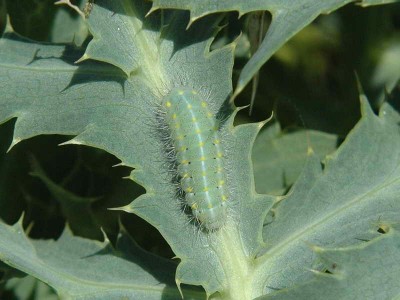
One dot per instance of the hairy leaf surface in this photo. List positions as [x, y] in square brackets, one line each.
[109, 101]
[114, 110]
[344, 203]
[68, 28]
[288, 18]
[83, 269]
[354, 272]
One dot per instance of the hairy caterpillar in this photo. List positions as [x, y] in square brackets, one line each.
[195, 149]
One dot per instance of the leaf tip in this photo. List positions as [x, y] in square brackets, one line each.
[15, 141]
[316, 272]
[9, 27]
[193, 18]
[21, 219]
[121, 164]
[262, 123]
[238, 89]
[178, 284]
[316, 248]
[152, 9]
[366, 110]
[83, 58]
[236, 41]
[105, 237]
[74, 141]
[365, 107]
[241, 13]
[125, 208]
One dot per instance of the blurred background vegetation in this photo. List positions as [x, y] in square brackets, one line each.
[310, 84]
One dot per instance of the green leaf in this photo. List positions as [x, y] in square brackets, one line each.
[6, 272]
[288, 18]
[77, 210]
[114, 111]
[111, 106]
[199, 9]
[366, 3]
[279, 157]
[135, 39]
[78, 268]
[68, 28]
[29, 288]
[86, 215]
[387, 72]
[32, 19]
[368, 271]
[342, 204]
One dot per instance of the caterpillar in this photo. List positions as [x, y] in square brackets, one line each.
[196, 151]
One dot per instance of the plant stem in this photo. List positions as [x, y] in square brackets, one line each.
[235, 264]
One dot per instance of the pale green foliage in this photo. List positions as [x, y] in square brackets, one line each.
[354, 273]
[281, 156]
[30, 288]
[342, 204]
[387, 71]
[76, 209]
[269, 242]
[288, 18]
[78, 30]
[83, 269]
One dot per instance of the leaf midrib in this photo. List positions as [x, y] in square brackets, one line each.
[150, 57]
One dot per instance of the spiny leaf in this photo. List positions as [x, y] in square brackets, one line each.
[83, 269]
[354, 272]
[340, 205]
[107, 109]
[199, 9]
[135, 39]
[288, 18]
[113, 110]
[68, 28]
